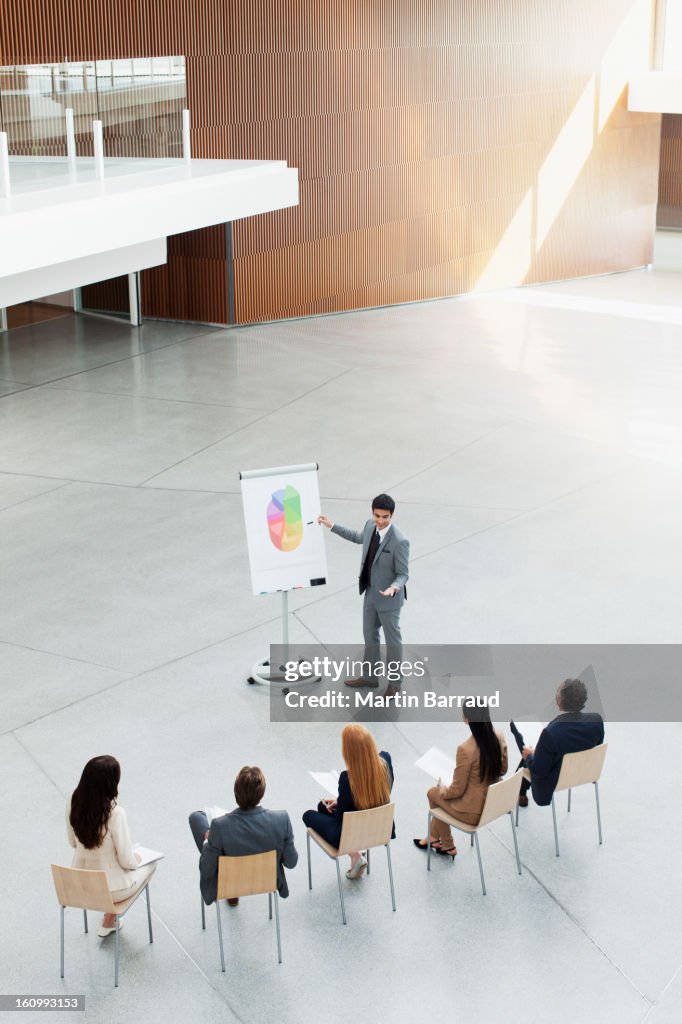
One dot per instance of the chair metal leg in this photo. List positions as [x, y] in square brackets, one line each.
[310, 874]
[517, 815]
[118, 929]
[428, 842]
[472, 838]
[61, 929]
[279, 941]
[516, 845]
[556, 831]
[480, 862]
[367, 855]
[390, 874]
[220, 935]
[149, 914]
[203, 913]
[85, 921]
[596, 794]
[338, 877]
[269, 906]
[569, 801]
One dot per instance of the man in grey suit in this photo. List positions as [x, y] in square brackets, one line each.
[248, 829]
[384, 571]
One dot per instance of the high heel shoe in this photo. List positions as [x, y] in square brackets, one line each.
[451, 853]
[422, 844]
[358, 867]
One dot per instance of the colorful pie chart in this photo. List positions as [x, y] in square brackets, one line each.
[284, 518]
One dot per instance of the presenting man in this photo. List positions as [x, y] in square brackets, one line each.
[383, 574]
[571, 731]
[248, 829]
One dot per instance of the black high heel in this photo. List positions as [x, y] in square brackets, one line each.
[424, 845]
[451, 853]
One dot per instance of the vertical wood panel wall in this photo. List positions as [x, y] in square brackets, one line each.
[670, 178]
[443, 145]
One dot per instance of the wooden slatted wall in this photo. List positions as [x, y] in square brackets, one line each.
[443, 145]
[670, 179]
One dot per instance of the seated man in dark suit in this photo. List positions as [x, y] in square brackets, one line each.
[247, 829]
[572, 730]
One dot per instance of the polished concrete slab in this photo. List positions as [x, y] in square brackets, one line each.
[532, 441]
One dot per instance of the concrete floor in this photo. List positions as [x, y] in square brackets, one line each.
[533, 441]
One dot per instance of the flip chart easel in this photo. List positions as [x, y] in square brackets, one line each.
[285, 543]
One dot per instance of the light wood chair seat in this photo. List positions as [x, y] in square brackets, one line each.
[253, 874]
[89, 890]
[581, 768]
[501, 798]
[361, 830]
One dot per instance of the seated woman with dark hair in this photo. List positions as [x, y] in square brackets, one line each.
[367, 782]
[98, 829]
[481, 761]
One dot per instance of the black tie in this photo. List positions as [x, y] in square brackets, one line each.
[367, 567]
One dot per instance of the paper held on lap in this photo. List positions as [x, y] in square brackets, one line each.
[436, 764]
[328, 780]
[146, 855]
[214, 812]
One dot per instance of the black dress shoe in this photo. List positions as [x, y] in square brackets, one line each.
[523, 800]
[233, 902]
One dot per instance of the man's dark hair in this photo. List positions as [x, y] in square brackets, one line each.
[249, 787]
[572, 695]
[385, 502]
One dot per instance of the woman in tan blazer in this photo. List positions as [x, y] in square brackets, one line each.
[98, 830]
[481, 760]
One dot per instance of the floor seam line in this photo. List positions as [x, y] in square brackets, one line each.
[661, 994]
[32, 497]
[574, 920]
[131, 678]
[194, 963]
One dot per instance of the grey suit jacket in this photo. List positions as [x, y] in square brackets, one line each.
[242, 832]
[391, 562]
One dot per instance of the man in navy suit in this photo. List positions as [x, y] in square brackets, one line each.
[572, 730]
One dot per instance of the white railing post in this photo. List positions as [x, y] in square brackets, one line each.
[186, 142]
[70, 139]
[5, 188]
[98, 141]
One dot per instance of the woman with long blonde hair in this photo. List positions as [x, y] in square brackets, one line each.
[366, 782]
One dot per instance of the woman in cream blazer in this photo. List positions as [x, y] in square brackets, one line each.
[97, 828]
[481, 760]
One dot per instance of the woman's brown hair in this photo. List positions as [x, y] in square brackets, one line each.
[93, 800]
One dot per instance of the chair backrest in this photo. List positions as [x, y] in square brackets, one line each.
[582, 767]
[78, 887]
[248, 875]
[363, 829]
[501, 798]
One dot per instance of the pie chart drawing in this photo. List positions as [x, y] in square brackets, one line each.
[284, 518]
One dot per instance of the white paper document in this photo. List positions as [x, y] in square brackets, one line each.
[328, 780]
[436, 764]
[146, 855]
[214, 812]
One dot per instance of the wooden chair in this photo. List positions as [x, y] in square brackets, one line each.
[89, 890]
[577, 769]
[502, 798]
[250, 875]
[361, 830]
